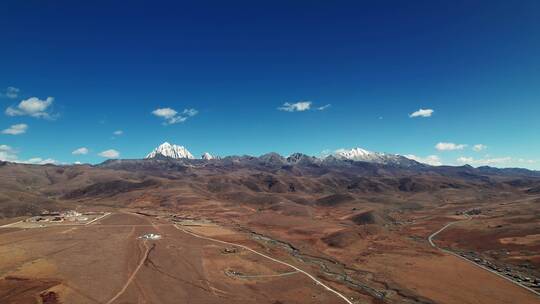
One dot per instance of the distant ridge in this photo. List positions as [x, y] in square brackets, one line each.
[338, 159]
[356, 154]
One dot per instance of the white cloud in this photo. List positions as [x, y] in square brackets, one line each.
[111, 153]
[322, 108]
[11, 92]
[479, 147]
[484, 161]
[77, 163]
[176, 119]
[171, 116]
[118, 132]
[422, 113]
[40, 161]
[526, 161]
[448, 146]
[433, 160]
[80, 151]
[190, 112]
[296, 107]
[166, 113]
[16, 129]
[7, 153]
[33, 107]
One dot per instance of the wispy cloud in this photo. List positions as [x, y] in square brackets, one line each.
[322, 108]
[10, 92]
[479, 147]
[448, 146]
[80, 151]
[111, 153]
[33, 107]
[433, 160]
[16, 129]
[118, 132]
[422, 113]
[301, 106]
[7, 153]
[171, 116]
[483, 161]
[190, 112]
[526, 161]
[40, 161]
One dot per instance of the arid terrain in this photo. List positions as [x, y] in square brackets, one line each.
[268, 230]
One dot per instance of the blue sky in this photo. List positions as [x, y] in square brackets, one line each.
[226, 68]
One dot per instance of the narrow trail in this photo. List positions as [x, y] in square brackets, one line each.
[433, 244]
[263, 276]
[132, 276]
[270, 258]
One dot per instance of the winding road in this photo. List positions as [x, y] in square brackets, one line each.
[433, 244]
[434, 234]
[270, 258]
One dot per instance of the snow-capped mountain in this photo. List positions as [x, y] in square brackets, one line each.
[172, 151]
[340, 156]
[359, 154]
[207, 156]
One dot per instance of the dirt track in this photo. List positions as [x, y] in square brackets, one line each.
[132, 276]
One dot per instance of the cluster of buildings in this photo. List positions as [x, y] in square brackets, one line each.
[473, 211]
[58, 216]
[507, 271]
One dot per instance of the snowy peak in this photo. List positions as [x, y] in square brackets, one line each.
[207, 156]
[359, 154]
[172, 151]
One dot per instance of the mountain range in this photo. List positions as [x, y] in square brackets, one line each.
[355, 157]
[173, 151]
[357, 173]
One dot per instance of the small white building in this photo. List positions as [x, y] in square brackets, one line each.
[150, 236]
